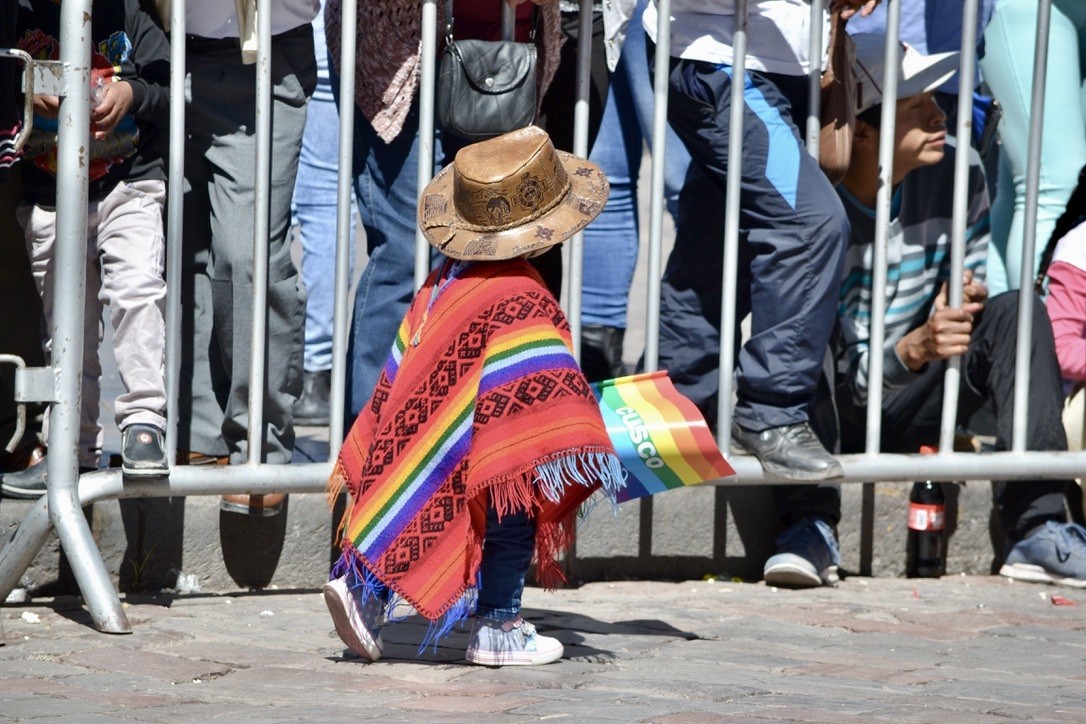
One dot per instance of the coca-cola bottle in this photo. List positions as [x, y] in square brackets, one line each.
[924, 546]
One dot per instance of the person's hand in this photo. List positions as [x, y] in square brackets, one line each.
[974, 293]
[114, 104]
[46, 106]
[946, 333]
[851, 7]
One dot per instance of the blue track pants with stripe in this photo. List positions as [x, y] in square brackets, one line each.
[793, 233]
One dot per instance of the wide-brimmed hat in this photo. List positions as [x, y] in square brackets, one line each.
[919, 73]
[509, 196]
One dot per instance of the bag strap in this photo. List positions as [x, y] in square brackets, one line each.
[837, 32]
[449, 22]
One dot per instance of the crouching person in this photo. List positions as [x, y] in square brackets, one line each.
[923, 331]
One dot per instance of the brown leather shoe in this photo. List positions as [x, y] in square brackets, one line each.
[189, 457]
[263, 506]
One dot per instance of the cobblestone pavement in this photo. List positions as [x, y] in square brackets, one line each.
[955, 649]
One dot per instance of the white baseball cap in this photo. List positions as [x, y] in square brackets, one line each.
[918, 74]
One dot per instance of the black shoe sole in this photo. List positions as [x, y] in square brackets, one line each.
[13, 493]
[156, 472]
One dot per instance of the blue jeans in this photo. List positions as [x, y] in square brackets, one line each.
[610, 243]
[507, 553]
[314, 211]
[385, 186]
[1008, 69]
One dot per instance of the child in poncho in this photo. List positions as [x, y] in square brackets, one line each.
[482, 437]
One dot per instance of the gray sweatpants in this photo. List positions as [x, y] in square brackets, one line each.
[217, 279]
[125, 256]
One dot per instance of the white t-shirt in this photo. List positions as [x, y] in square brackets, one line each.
[778, 33]
[1071, 249]
[218, 18]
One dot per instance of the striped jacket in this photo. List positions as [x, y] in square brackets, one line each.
[918, 262]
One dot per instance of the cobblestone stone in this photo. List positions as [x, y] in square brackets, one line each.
[882, 649]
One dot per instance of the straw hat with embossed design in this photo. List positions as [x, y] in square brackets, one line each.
[510, 196]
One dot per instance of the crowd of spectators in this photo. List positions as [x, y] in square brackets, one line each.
[805, 256]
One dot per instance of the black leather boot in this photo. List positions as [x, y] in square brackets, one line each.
[601, 352]
[312, 406]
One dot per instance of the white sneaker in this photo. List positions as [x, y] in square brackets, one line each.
[510, 643]
[807, 556]
[356, 623]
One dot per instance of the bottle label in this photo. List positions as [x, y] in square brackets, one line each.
[926, 517]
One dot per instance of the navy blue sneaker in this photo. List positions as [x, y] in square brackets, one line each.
[806, 555]
[1054, 554]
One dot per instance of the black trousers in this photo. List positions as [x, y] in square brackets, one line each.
[911, 416]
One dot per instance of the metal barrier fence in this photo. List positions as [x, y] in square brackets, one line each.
[59, 384]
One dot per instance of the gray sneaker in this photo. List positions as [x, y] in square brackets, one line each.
[791, 452]
[142, 452]
[510, 643]
[1054, 554]
[358, 624]
[807, 555]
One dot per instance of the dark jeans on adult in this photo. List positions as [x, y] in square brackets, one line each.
[911, 416]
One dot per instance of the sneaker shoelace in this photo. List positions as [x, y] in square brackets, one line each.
[520, 630]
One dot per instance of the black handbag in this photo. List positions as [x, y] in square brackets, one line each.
[485, 88]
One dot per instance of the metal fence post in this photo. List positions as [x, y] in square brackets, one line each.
[1029, 231]
[661, 65]
[175, 188]
[69, 272]
[348, 49]
[728, 322]
[427, 87]
[814, 78]
[258, 342]
[877, 335]
[580, 148]
[964, 133]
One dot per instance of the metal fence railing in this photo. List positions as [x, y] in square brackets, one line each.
[68, 492]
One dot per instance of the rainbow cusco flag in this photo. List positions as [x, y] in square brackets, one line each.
[661, 438]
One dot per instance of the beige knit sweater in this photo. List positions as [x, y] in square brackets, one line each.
[389, 46]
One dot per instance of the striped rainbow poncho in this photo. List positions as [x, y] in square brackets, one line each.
[480, 402]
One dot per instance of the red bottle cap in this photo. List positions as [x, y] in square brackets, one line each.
[928, 449]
